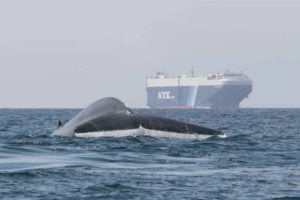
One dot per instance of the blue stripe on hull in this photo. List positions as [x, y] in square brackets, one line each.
[227, 96]
[197, 96]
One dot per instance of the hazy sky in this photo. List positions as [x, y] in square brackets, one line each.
[69, 53]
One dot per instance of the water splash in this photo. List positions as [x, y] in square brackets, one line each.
[145, 132]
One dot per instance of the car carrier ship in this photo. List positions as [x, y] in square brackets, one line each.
[216, 90]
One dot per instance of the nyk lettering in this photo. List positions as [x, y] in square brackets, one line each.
[165, 95]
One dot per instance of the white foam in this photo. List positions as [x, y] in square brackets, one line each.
[145, 132]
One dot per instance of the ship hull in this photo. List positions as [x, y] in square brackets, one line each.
[210, 96]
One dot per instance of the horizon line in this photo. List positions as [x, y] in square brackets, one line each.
[250, 107]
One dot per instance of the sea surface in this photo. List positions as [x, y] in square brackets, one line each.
[259, 158]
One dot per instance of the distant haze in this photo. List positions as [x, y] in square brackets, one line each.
[69, 53]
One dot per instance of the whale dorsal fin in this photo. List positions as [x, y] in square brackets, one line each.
[59, 124]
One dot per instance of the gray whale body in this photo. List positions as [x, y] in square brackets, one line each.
[110, 114]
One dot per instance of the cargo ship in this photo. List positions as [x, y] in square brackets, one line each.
[215, 90]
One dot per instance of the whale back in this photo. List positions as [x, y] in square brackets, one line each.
[101, 107]
[111, 114]
[95, 110]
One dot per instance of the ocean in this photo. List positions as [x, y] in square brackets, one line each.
[259, 158]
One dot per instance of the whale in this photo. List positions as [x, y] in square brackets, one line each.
[110, 114]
